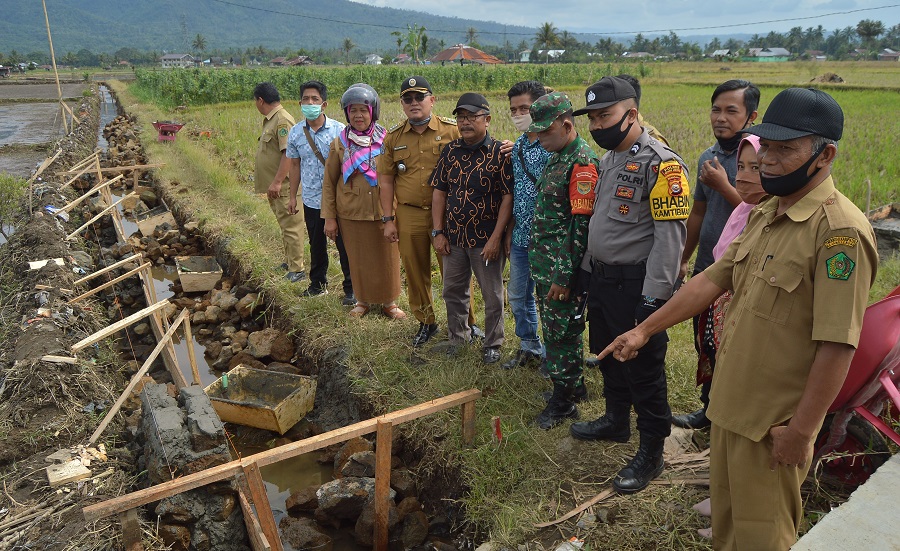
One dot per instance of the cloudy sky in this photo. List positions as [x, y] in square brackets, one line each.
[685, 17]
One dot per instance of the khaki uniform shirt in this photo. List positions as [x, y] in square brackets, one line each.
[353, 200]
[640, 213]
[419, 153]
[798, 278]
[272, 143]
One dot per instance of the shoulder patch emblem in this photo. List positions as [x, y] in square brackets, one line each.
[655, 169]
[635, 148]
[625, 192]
[581, 188]
[840, 266]
[668, 198]
[397, 126]
[632, 166]
[282, 131]
[840, 240]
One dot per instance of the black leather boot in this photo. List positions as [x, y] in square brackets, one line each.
[646, 465]
[560, 407]
[579, 395]
[694, 420]
[615, 426]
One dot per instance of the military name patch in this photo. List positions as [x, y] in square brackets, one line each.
[840, 266]
[668, 199]
[625, 192]
[623, 209]
[840, 240]
[632, 166]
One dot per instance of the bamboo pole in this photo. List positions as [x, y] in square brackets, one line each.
[77, 201]
[53, 60]
[111, 267]
[98, 216]
[109, 283]
[119, 325]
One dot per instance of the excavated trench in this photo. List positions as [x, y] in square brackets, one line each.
[234, 325]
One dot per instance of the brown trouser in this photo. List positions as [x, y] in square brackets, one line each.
[292, 232]
[414, 229]
[753, 507]
[459, 266]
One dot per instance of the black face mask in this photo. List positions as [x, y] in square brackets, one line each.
[730, 144]
[787, 184]
[610, 138]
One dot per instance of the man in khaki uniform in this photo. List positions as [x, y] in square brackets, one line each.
[271, 177]
[801, 273]
[410, 152]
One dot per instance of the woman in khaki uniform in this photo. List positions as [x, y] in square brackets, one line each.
[351, 205]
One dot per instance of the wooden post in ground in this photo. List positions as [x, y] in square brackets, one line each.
[384, 433]
[261, 502]
[131, 531]
[467, 412]
[55, 72]
[109, 283]
[189, 343]
[258, 540]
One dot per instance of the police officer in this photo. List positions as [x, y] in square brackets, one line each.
[410, 152]
[563, 208]
[636, 236]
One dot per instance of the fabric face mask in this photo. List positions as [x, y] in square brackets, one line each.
[787, 184]
[610, 138]
[522, 122]
[311, 112]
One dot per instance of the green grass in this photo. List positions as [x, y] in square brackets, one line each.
[533, 475]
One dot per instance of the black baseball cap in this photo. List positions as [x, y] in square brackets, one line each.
[798, 112]
[605, 92]
[415, 84]
[470, 101]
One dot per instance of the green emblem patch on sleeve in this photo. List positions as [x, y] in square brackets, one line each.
[840, 267]
[282, 131]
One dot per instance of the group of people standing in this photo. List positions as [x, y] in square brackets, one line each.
[607, 238]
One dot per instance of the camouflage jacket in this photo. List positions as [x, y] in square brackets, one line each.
[565, 201]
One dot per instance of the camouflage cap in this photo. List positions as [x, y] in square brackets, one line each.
[547, 109]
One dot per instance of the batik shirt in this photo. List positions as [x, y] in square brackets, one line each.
[525, 188]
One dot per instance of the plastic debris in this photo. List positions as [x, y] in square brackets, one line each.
[573, 544]
[57, 212]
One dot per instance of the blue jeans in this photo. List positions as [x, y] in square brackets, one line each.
[521, 300]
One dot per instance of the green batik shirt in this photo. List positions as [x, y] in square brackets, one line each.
[565, 202]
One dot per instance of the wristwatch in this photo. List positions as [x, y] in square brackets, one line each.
[435, 233]
[386, 219]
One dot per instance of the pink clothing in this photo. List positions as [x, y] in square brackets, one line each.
[733, 228]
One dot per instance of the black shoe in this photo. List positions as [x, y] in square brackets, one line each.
[559, 408]
[284, 266]
[426, 331]
[646, 465]
[614, 427]
[491, 355]
[542, 369]
[294, 277]
[521, 359]
[315, 290]
[349, 299]
[591, 362]
[579, 395]
[695, 420]
[477, 333]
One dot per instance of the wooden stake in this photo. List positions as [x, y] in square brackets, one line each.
[261, 502]
[131, 531]
[119, 325]
[97, 217]
[111, 267]
[87, 160]
[53, 60]
[38, 172]
[221, 472]
[258, 540]
[382, 483]
[189, 343]
[109, 283]
[90, 192]
[115, 169]
[137, 377]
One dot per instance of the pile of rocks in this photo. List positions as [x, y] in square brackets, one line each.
[347, 503]
[124, 147]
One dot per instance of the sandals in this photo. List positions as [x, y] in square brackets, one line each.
[394, 312]
[359, 310]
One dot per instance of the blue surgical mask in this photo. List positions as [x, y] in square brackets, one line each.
[312, 111]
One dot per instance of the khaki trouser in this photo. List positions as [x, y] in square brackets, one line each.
[753, 507]
[292, 232]
[414, 229]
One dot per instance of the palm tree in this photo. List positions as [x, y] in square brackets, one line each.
[868, 30]
[347, 47]
[199, 43]
[546, 37]
[471, 36]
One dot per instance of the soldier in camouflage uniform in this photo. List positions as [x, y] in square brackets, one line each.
[565, 202]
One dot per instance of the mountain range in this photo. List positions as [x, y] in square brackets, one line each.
[171, 25]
